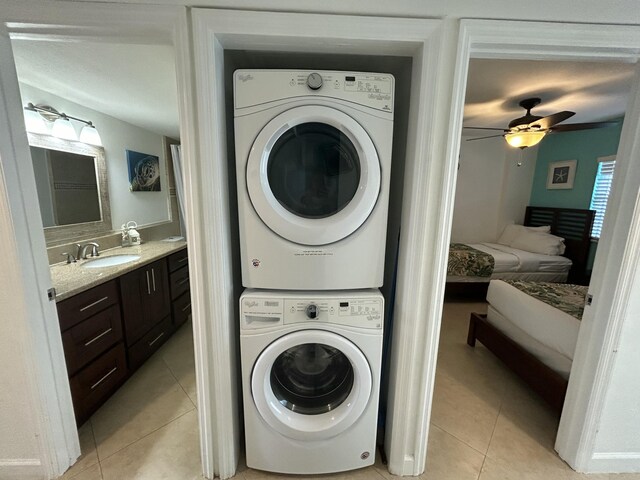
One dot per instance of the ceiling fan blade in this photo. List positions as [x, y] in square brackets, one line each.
[547, 122]
[482, 138]
[486, 128]
[570, 127]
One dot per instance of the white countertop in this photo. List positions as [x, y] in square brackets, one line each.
[72, 278]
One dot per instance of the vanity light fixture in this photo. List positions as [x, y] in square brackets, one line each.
[33, 121]
[90, 135]
[62, 126]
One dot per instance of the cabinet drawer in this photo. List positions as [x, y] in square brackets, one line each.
[179, 282]
[149, 343]
[91, 386]
[181, 309]
[178, 260]
[80, 307]
[90, 338]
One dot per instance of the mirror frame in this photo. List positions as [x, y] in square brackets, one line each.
[64, 233]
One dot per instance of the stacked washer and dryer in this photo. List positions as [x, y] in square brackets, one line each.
[313, 156]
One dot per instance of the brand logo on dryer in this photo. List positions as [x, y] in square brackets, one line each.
[245, 77]
[255, 262]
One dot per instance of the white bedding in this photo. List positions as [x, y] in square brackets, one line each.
[548, 333]
[514, 264]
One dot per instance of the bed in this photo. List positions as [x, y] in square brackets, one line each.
[533, 328]
[490, 261]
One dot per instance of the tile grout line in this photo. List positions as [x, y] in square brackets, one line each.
[145, 436]
[462, 441]
[178, 382]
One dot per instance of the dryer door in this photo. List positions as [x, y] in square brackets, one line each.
[311, 384]
[313, 175]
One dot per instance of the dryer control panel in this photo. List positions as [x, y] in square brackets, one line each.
[257, 87]
[260, 311]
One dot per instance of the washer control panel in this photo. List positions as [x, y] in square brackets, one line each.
[362, 312]
[268, 310]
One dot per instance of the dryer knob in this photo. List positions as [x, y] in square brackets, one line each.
[312, 311]
[314, 81]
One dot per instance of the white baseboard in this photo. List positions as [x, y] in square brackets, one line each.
[21, 468]
[615, 462]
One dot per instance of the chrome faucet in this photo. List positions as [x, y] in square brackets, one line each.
[82, 250]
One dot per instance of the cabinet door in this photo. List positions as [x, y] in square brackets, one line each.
[145, 299]
[158, 302]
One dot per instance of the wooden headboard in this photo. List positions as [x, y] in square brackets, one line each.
[572, 224]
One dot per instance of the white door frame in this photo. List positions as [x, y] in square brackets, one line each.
[420, 287]
[72, 21]
[618, 250]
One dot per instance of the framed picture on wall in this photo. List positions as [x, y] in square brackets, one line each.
[144, 172]
[561, 174]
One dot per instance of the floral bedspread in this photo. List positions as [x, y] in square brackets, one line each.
[563, 296]
[466, 261]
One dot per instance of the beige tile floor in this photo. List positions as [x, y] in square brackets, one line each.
[485, 424]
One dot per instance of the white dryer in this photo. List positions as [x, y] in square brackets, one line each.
[313, 158]
[311, 366]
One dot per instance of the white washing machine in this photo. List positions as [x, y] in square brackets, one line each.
[313, 157]
[311, 366]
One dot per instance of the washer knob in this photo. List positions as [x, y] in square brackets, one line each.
[314, 81]
[312, 311]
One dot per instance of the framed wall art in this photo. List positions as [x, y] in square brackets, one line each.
[144, 172]
[561, 175]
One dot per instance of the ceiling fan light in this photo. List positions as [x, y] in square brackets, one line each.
[90, 135]
[62, 128]
[524, 139]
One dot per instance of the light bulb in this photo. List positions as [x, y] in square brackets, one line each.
[90, 135]
[62, 128]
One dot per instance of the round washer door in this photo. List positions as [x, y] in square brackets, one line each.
[311, 384]
[313, 175]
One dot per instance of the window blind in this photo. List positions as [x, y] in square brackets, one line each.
[600, 195]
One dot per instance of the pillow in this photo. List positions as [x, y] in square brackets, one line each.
[539, 242]
[512, 231]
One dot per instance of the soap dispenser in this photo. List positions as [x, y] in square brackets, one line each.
[134, 235]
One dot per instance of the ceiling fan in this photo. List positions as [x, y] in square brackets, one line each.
[529, 130]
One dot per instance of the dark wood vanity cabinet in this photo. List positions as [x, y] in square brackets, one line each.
[91, 326]
[145, 299]
[146, 309]
[110, 330]
[179, 286]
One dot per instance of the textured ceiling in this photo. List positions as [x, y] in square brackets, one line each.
[594, 91]
[134, 83]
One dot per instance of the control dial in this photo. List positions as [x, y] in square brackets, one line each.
[312, 311]
[314, 81]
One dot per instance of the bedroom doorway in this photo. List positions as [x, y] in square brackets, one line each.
[481, 408]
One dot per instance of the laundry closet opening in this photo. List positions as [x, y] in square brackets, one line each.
[401, 69]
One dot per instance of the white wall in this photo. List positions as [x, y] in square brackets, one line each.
[19, 425]
[492, 190]
[145, 208]
[621, 411]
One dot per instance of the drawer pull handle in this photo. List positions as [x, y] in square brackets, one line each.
[94, 303]
[103, 378]
[156, 339]
[187, 307]
[153, 277]
[148, 286]
[96, 338]
[183, 259]
[182, 282]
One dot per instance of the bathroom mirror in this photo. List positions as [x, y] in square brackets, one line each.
[71, 179]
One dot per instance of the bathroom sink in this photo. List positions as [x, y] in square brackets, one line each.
[110, 261]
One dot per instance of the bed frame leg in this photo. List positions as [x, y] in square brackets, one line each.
[471, 336]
